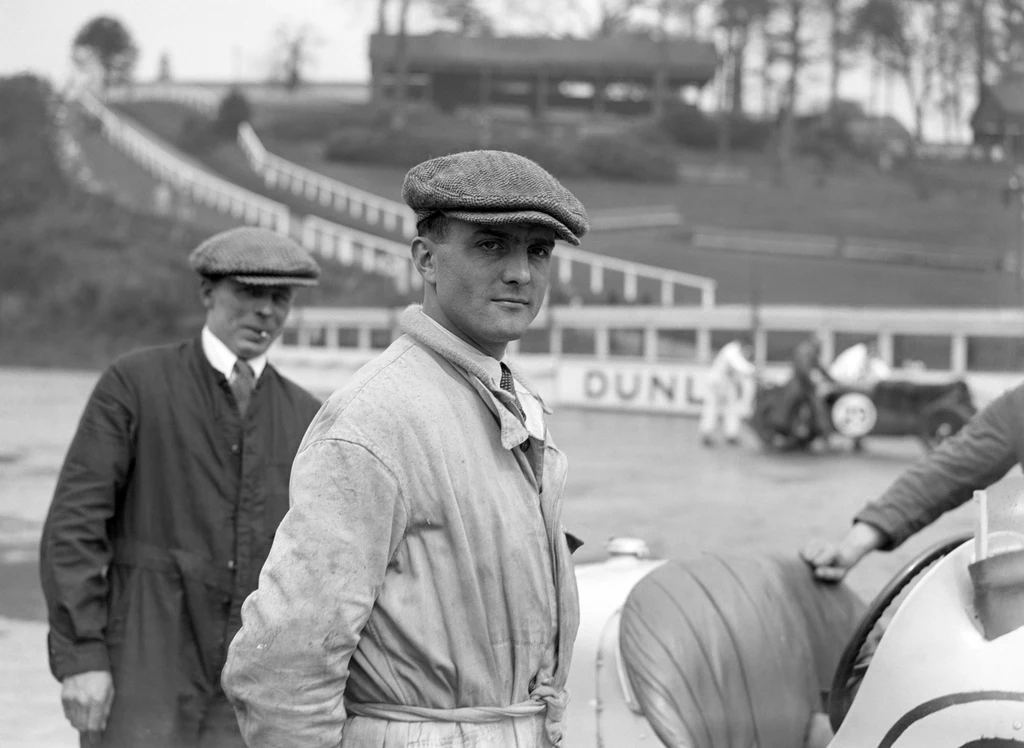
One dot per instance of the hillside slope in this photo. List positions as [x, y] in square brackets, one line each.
[87, 277]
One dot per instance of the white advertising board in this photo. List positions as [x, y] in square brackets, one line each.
[612, 385]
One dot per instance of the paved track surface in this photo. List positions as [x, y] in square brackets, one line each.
[637, 475]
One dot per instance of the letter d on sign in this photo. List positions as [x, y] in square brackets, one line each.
[595, 384]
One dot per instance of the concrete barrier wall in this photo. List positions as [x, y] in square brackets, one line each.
[660, 375]
[583, 382]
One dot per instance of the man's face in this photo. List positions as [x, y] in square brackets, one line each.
[246, 318]
[489, 281]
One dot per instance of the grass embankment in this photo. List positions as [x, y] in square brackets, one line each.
[964, 211]
[85, 279]
[886, 212]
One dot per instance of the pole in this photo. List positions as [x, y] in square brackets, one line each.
[1020, 254]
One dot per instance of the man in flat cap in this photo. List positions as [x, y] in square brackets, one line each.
[167, 504]
[420, 590]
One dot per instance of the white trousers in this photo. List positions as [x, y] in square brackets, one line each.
[724, 401]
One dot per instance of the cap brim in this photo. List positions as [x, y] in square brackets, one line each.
[519, 216]
[274, 280]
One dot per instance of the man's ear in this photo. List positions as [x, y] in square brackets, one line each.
[206, 287]
[424, 258]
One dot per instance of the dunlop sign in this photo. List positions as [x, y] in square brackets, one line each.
[659, 388]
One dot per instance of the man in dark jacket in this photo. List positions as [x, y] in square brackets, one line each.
[167, 504]
[980, 454]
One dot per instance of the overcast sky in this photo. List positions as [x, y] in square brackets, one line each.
[206, 39]
[225, 39]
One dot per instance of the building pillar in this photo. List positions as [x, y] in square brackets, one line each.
[599, 95]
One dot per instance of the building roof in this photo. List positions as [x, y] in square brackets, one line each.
[617, 58]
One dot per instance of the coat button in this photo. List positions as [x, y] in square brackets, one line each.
[234, 448]
[231, 564]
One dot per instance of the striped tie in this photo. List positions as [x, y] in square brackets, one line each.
[509, 387]
[243, 379]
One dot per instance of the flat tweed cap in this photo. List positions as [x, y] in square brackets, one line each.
[256, 257]
[494, 187]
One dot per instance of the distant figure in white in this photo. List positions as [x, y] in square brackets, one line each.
[860, 366]
[729, 391]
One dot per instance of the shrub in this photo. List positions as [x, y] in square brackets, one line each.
[197, 134]
[748, 134]
[687, 125]
[614, 157]
[234, 109]
[627, 159]
[382, 146]
[560, 158]
[30, 170]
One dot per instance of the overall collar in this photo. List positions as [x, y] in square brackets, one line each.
[424, 330]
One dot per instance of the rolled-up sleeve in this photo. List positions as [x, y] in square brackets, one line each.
[975, 458]
[75, 549]
[288, 666]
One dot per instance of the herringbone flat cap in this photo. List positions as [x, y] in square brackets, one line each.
[494, 187]
[256, 257]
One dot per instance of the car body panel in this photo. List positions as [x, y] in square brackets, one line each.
[935, 681]
[599, 714]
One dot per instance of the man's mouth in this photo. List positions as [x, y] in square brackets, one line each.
[524, 302]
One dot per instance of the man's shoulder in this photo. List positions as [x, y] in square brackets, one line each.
[388, 388]
[141, 360]
[295, 392]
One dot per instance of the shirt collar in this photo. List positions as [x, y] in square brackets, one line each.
[223, 360]
[491, 365]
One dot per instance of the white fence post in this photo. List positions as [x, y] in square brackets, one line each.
[629, 285]
[596, 277]
[958, 353]
[667, 292]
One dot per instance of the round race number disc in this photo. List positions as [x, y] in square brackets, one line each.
[854, 415]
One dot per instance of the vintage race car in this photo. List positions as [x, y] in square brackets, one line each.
[747, 652]
[930, 412]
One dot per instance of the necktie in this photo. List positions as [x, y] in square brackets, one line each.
[243, 379]
[509, 387]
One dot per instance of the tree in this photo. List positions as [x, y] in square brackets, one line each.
[294, 51]
[615, 16]
[668, 11]
[469, 18]
[735, 19]
[791, 46]
[105, 44]
[841, 40]
[907, 37]
[164, 72]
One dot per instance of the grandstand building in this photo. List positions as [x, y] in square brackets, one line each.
[617, 75]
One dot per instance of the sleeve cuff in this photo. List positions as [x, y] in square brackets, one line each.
[892, 535]
[71, 659]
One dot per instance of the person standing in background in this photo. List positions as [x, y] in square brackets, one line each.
[728, 393]
[167, 504]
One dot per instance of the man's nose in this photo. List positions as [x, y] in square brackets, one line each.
[517, 268]
[265, 307]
